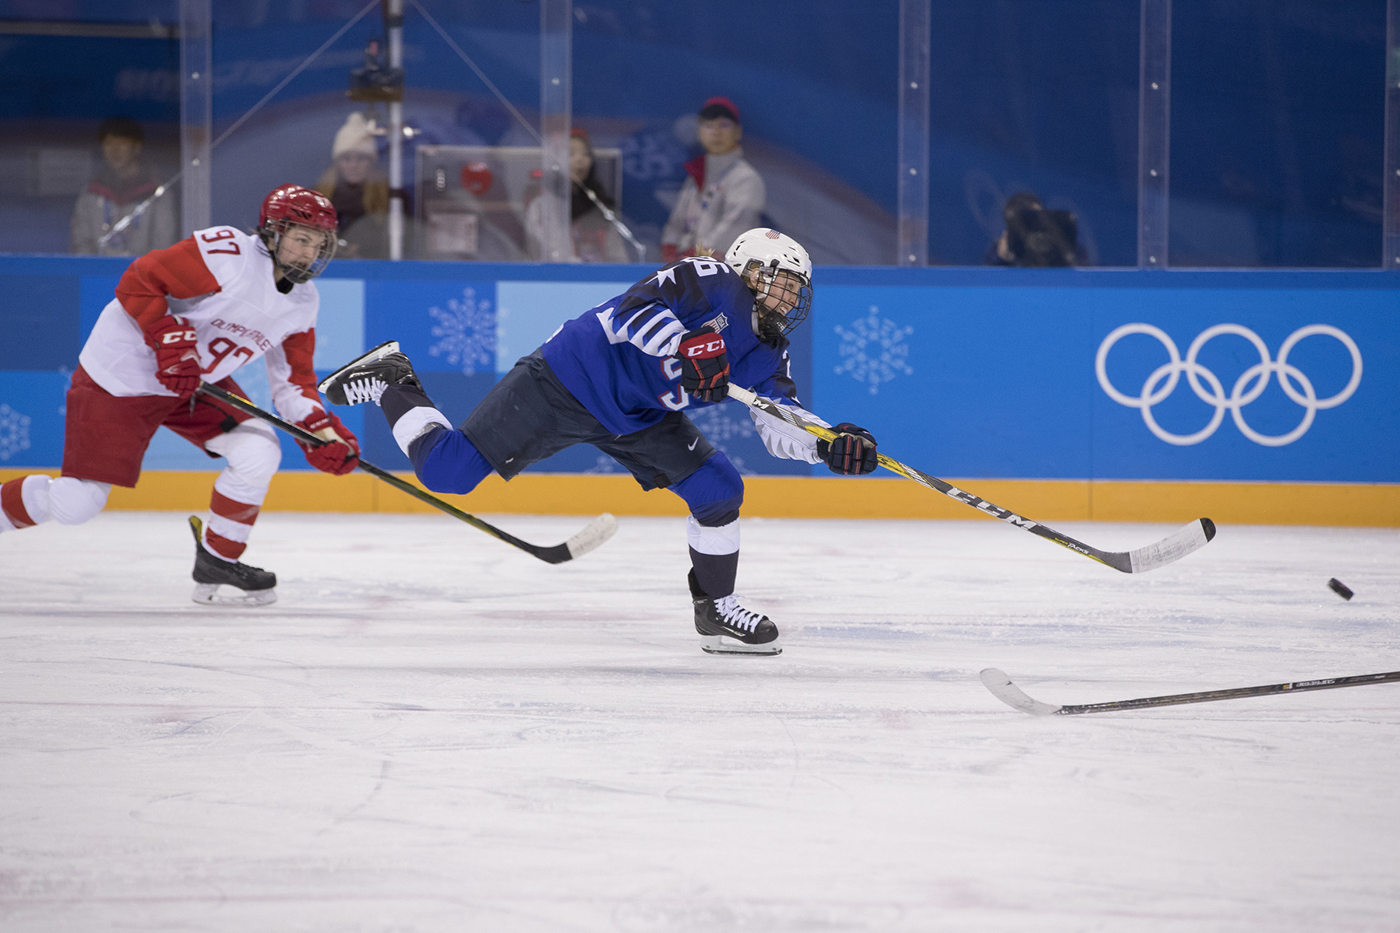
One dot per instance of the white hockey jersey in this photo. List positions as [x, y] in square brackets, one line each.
[220, 282]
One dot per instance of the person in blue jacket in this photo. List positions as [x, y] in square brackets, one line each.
[621, 376]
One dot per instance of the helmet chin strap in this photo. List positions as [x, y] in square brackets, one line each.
[758, 317]
[759, 295]
[268, 238]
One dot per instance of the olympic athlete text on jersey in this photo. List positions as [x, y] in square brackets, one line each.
[621, 377]
[195, 313]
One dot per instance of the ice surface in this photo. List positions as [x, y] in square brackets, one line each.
[432, 731]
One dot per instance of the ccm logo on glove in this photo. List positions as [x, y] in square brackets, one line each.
[179, 336]
[705, 348]
[704, 365]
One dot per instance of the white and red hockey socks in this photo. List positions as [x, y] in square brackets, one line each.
[252, 456]
[229, 525]
[15, 511]
[32, 500]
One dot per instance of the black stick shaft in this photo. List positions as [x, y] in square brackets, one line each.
[554, 555]
[1301, 686]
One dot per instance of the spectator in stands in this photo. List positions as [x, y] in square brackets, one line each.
[358, 190]
[120, 214]
[1035, 236]
[594, 237]
[723, 196]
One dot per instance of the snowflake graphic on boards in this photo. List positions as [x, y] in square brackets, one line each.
[873, 350]
[14, 432]
[466, 332]
[723, 422]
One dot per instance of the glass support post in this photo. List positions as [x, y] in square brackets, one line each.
[915, 37]
[1391, 217]
[556, 105]
[1154, 132]
[196, 113]
[393, 36]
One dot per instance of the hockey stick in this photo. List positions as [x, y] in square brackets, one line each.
[1010, 694]
[1173, 547]
[599, 530]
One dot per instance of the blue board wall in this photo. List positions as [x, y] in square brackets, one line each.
[1003, 381]
[961, 372]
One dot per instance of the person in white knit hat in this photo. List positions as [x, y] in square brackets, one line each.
[358, 189]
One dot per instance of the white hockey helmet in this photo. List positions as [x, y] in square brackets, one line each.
[765, 253]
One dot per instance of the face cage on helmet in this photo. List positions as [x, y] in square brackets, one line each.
[272, 233]
[774, 324]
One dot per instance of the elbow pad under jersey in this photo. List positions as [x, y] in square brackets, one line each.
[784, 440]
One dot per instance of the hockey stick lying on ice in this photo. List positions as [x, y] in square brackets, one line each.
[1173, 547]
[597, 531]
[1010, 694]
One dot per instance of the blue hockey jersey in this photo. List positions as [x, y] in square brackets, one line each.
[618, 358]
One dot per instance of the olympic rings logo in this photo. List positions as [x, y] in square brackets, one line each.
[1248, 387]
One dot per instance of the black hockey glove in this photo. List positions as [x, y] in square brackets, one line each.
[704, 365]
[853, 450]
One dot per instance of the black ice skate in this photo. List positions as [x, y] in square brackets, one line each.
[253, 585]
[365, 379]
[726, 627]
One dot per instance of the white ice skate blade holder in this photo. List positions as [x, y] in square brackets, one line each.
[213, 594]
[719, 644]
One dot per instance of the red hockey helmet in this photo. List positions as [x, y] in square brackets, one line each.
[288, 206]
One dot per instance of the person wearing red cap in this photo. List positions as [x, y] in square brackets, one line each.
[722, 195]
[193, 313]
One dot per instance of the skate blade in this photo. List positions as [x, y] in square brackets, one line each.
[207, 594]
[718, 644]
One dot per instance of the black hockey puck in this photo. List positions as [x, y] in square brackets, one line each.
[1340, 588]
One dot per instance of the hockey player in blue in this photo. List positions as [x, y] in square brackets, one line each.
[620, 377]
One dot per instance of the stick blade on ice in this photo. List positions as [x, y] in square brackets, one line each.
[1173, 547]
[1013, 696]
[598, 531]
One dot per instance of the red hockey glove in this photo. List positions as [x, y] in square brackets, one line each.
[853, 450]
[341, 455]
[177, 360]
[669, 253]
[704, 365]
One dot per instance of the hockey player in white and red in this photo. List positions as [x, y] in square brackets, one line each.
[193, 313]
